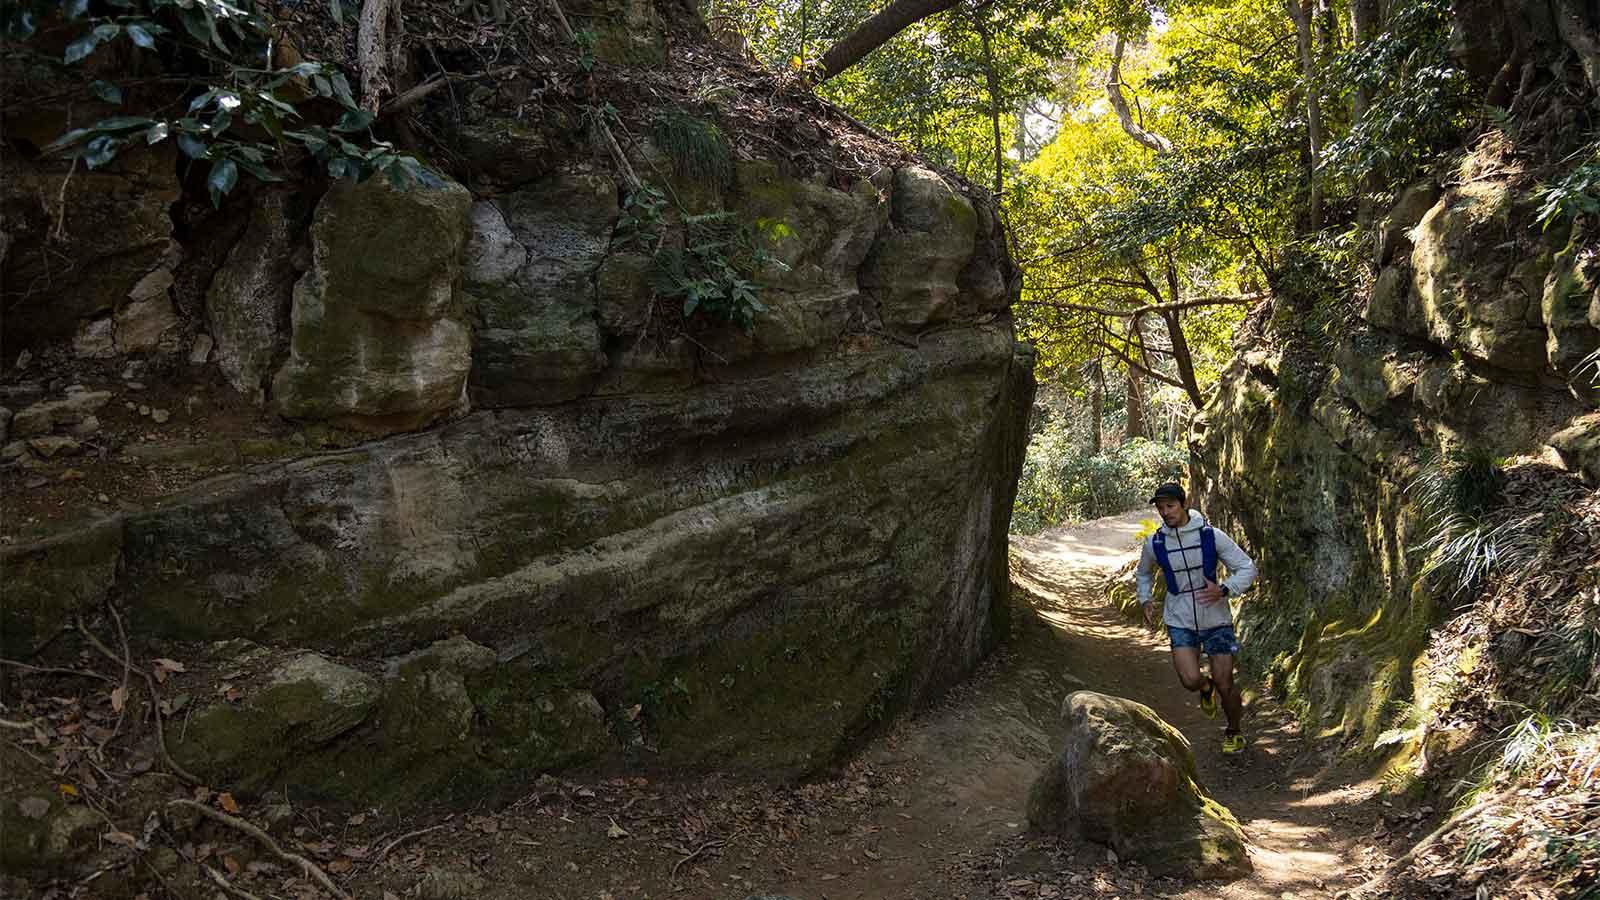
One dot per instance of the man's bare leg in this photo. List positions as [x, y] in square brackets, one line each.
[1187, 661]
[1227, 689]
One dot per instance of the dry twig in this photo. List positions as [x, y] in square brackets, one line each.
[311, 869]
[155, 705]
[708, 845]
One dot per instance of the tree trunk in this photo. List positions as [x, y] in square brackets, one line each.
[1097, 408]
[1136, 416]
[875, 32]
[1363, 28]
[1180, 343]
[1301, 14]
[994, 111]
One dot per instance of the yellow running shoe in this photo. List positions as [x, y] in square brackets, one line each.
[1208, 699]
[1233, 743]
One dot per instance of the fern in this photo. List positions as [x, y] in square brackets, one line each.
[697, 147]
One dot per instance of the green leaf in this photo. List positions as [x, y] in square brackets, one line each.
[67, 140]
[689, 304]
[337, 8]
[122, 123]
[141, 36]
[341, 91]
[354, 120]
[320, 84]
[258, 171]
[75, 9]
[157, 133]
[80, 48]
[106, 91]
[341, 167]
[107, 31]
[100, 151]
[192, 147]
[224, 176]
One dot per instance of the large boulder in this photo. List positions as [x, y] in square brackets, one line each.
[1475, 291]
[1127, 779]
[302, 705]
[377, 344]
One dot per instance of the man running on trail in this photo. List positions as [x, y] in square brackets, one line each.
[1198, 616]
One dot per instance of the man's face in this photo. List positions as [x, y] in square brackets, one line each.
[1170, 510]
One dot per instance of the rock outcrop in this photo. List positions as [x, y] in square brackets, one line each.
[537, 514]
[1127, 779]
[1473, 338]
[378, 344]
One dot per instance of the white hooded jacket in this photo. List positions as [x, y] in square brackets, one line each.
[1183, 551]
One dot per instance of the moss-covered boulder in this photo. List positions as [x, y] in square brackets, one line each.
[1475, 290]
[40, 830]
[378, 344]
[1127, 779]
[281, 727]
[49, 583]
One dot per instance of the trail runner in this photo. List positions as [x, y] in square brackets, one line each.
[1198, 615]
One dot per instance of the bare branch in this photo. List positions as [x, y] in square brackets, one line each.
[1120, 103]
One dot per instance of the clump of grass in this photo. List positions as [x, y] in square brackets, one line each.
[1459, 493]
[697, 147]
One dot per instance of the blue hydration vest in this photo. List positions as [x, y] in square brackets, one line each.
[1208, 557]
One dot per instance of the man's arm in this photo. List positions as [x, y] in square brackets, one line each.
[1144, 580]
[1241, 568]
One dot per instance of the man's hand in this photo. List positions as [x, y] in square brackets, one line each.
[1209, 594]
[1150, 614]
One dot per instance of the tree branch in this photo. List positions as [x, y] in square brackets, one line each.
[875, 32]
[372, 51]
[1119, 103]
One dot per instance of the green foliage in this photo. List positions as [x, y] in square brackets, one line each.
[243, 118]
[1421, 99]
[717, 272]
[1576, 194]
[1063, 483]
[696, 146]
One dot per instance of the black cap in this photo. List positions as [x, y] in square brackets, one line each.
[1170, 489]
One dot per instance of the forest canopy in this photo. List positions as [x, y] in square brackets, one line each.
[1162, 167]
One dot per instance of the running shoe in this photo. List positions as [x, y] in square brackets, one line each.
[1208, 699]
[1233, 742]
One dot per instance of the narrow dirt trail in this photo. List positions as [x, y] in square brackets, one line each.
[961, 832]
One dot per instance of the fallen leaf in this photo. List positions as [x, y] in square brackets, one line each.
[68, 790]
[232, 865]
[226, 801]
[34, 807]
[340, 866]
[616, 832]
[357, 819]
[122, 837]
[119, 698]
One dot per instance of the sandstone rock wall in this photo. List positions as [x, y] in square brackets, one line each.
[516, 511]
